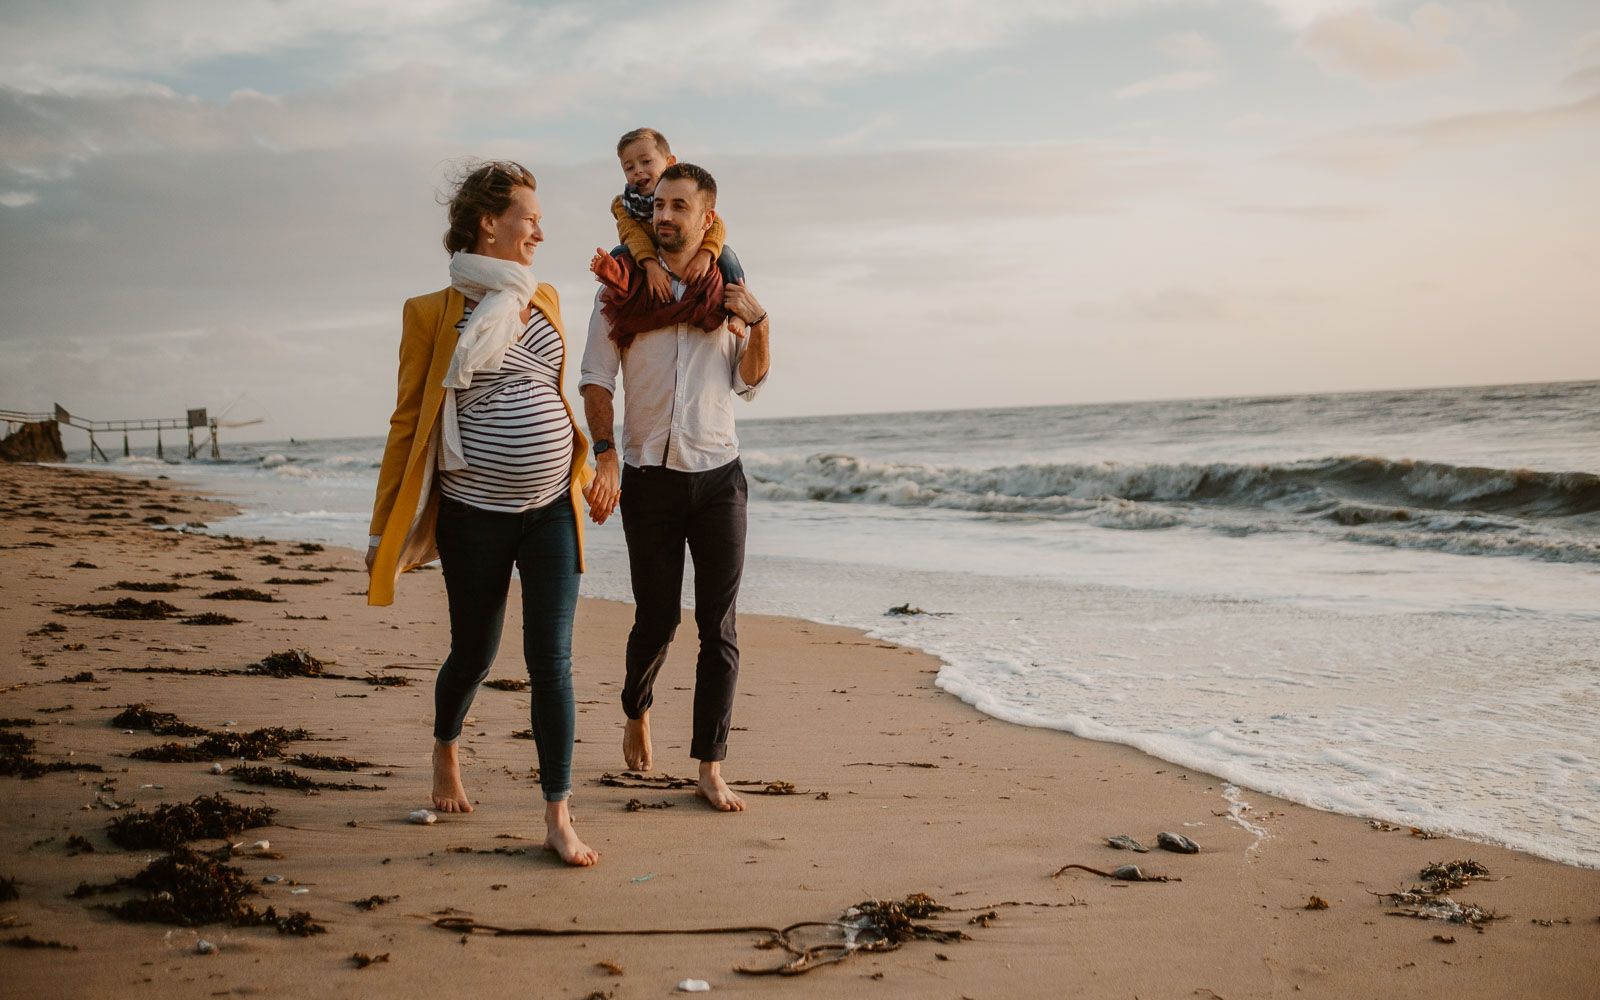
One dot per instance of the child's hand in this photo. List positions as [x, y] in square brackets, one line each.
[656, 277]
[699, 266]
[609, 270]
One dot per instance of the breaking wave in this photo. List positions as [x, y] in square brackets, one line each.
[1465, 509]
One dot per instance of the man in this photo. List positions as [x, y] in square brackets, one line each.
[681, 476]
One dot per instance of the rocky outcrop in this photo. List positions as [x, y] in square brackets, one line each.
[40, 442]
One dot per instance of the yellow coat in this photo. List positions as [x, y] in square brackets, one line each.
[407, 506]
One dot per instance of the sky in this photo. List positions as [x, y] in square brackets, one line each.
[941, 203]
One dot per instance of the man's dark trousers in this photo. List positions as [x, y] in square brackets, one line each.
[662, 511]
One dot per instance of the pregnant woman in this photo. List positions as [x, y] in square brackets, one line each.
[484, 470]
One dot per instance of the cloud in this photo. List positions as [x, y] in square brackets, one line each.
[1308, 213]
[1387, 146]
[1170, 83]
[76, 47]
[1191, 48]
[1379, 50]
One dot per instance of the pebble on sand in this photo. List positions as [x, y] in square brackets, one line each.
[423, 817]
[694, 986]
[1176, 842]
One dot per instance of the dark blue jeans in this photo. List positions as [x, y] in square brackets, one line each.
[477, 549]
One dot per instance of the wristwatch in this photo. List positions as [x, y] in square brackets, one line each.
[601, 447]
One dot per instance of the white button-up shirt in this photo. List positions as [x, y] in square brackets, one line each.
[679, 382]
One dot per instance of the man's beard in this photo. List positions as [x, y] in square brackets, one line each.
[671, 241]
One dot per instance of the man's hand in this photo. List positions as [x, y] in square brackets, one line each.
[699, 265]
[372, 556]
[603, 491]
[738, 301]
[656, 277]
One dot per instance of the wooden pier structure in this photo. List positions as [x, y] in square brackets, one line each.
[190, 422]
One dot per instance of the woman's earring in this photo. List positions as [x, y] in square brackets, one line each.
[491, 237]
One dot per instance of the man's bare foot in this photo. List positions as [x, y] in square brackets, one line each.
[636, 752]
[714, 790]
[563, 839]
[448, 795]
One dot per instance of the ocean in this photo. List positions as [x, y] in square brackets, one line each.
[1385, 604]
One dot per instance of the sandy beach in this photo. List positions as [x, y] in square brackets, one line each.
[893, 788]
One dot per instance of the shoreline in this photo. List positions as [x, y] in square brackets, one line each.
[1000, 808]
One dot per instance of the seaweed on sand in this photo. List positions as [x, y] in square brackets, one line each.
[289, 663]
[1429, 902]
[16, 758]
[173, 824]
[277, 777]
[190, 889]
[125, 609]
[211, 618]
[386, 680]
[324, 763]
[29, 941]
[258, 744]
[633, 779]
[1125, 873]
[506, 684]
[192, 671]
[241, 594]
[139, 716]
[145, 586]
[8, 889]
[295, 581]
[871, 926]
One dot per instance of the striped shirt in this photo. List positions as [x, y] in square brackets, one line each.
[515, 432]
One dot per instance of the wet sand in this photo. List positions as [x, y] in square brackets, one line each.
[923, 794]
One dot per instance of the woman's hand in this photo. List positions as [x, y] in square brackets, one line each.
[372, 557]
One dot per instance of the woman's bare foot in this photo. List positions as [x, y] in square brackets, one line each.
[714, 790]
[448, 794]
[636, 751]
[563, 839]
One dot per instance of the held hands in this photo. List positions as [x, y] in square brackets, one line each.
[372, 555]
[742, 307]
[656, 277]
[604, 490]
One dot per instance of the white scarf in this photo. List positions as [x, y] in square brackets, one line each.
[501, 288]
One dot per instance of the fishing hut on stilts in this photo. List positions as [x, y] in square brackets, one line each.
[193, 420]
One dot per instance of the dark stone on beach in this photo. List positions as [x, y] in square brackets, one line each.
[38, 442]
[1176, 842]
[1123, 842]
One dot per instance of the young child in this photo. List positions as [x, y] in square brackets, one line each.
[644, 154]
